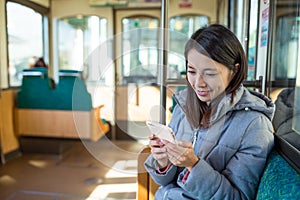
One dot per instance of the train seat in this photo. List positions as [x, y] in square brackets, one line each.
[72, 91]
[65, 111]
[279, 181]
[281, 176]
[36, 84]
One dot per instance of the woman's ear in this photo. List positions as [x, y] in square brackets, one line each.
[236, 68]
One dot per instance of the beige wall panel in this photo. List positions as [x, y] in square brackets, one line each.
[59, 123]
[53, 123]
[122, 103]
[199, 7]
[9, 140]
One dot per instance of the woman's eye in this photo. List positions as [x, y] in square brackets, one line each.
[211, 74]
[190, 71]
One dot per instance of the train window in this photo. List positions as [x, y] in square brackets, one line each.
[140, 52]
[181, 28]
[78, 37]
[243, 21]
[286, 47]
[26, 38]
[252, 41]
[284, 56]
[140, 49]
[296, 125]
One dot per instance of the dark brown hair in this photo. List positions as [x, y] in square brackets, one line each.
[221, 45]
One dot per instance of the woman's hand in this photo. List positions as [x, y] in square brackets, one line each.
[182, 154]
[159, 151]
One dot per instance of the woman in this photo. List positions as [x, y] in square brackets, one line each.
[224, 131]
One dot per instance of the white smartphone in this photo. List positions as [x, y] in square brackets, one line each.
[161, 131]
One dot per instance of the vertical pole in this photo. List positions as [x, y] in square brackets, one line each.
[163, 58]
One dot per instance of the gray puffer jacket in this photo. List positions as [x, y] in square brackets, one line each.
[232, 152]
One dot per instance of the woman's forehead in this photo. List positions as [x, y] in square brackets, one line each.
[193, 54]
[196, 59]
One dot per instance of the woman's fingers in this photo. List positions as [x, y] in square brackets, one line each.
[158, 150]
[185, 144]
[181, 154]
[155, 141]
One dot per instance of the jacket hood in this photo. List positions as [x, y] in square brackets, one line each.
[256, 101]
[243, 100]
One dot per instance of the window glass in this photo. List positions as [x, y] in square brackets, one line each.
[252, 39]
[181, 27]
[296, 114]
[140, 46]
[78, 38]
[286, 47]
[244, 24]
[139, 49]
[284, 65]
[25, 39]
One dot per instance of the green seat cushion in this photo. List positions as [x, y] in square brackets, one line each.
[279, 180]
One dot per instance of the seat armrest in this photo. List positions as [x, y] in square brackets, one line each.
[104, 126]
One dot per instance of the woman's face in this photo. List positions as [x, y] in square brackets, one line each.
[207, 77]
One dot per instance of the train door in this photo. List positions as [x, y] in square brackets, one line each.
[136, 55]
[139, 76]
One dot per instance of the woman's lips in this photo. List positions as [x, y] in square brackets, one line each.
[202, 93]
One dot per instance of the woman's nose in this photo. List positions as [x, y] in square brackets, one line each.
[200, 81]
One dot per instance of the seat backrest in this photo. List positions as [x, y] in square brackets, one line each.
[286, 116]
[35, 89]
[70, 93]
[73, 94]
